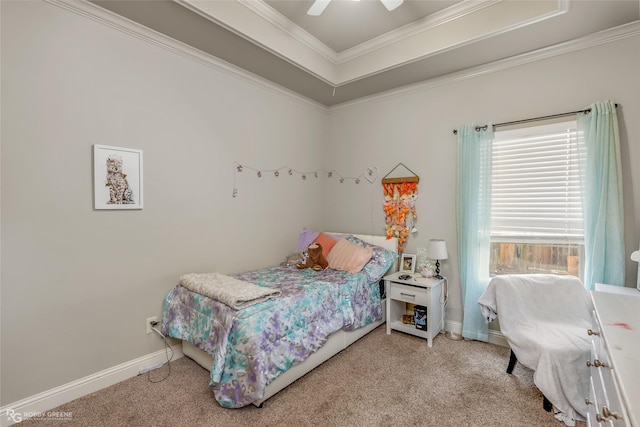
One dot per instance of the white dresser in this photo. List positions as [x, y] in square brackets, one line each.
[614, 398]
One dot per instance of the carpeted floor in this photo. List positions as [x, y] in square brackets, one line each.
[381, 380]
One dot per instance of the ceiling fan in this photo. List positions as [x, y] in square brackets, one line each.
[318, 6]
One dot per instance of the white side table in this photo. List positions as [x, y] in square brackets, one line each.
[417, 290]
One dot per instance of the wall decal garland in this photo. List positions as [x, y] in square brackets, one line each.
[370, 174]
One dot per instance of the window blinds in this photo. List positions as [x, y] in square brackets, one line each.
[535, 184]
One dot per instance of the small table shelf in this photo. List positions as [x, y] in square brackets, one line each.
[418, 290]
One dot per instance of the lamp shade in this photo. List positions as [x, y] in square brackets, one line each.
[437, 249]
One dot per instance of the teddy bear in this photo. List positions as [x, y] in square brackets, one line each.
[315, 259]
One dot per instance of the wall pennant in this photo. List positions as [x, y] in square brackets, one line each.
[400, 195]
[410, 178]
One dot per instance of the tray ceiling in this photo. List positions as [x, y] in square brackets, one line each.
[358, 48]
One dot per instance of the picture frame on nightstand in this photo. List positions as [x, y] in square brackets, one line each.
[408, 263]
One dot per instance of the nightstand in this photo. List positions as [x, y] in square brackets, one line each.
[418, 290]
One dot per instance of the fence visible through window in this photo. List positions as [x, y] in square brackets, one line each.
[535, 258]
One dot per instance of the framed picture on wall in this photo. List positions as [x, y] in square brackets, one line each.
[408, 263]
[117, 177]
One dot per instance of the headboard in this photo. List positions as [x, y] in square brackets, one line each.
[382, 241]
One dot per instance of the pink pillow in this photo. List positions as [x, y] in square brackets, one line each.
[307, 237]
[326, 242]
[347, 256]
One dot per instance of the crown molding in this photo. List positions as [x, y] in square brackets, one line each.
[105, 17]
[244, 20]
[134, 29]
[610, 35]
[259, 23]
[426, 43]
[292, 29]
[442, 17]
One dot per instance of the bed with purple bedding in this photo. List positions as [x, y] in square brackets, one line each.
[247, 350]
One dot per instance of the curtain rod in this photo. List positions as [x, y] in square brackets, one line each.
[534, 119]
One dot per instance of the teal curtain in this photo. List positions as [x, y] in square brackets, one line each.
[473, 199]
[602, 197]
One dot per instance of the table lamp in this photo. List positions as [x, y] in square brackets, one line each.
[437, 250]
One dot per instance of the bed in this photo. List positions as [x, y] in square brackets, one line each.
[254, 352]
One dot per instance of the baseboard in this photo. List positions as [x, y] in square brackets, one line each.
[39, 404]
[453, 327]
[495, 337]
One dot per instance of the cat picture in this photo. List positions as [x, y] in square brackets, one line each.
[119, 191]
[117, 178]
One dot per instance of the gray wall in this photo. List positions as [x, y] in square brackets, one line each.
[77, 284]
[415, 127]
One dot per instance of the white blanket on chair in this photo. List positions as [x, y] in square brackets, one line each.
[545, 319]
[235, 293]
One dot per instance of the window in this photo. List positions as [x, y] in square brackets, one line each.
[536, 202]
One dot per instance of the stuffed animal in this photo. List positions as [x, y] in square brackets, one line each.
[315, 259]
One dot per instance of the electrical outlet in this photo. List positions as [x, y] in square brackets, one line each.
[149, 320]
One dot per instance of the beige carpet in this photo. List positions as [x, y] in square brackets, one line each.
[381, 380]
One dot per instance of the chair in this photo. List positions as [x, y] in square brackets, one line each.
[545, 319]
[546, 405]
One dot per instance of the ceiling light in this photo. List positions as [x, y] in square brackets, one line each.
[319, 6]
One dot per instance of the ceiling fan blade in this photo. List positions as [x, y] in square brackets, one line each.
[391, 4]
[318, 7]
